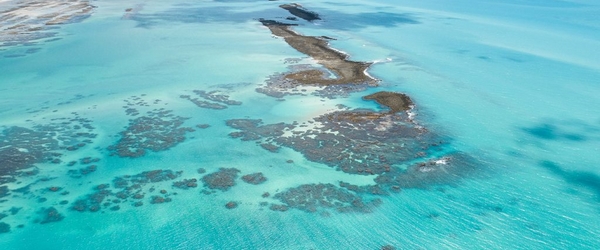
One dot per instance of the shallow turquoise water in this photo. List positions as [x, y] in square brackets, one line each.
[513, 84]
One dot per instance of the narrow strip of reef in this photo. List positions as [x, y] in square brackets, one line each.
[345, 70]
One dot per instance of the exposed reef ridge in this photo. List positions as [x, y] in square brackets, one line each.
[24, 22]
[346, 71]
[396, 102]
[388, 144]
[299, 11]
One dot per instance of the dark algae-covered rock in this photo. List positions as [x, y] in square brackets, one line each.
[396, 102]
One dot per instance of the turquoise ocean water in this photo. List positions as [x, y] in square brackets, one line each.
[513, 84]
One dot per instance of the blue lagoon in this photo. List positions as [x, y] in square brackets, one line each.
[310, 125]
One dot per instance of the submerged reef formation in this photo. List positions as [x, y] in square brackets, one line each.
[50, 215]
[222, 179]
[388, 144]
[159, 130]
[255, 178]
[22, 148]
[317, 197]
[445, 170]
[4, 228]
[27, 21]
[348, 76]
[212, 100]
[252, 129]
[126, 188]
[354, 141]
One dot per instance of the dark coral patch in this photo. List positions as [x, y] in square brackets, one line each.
[158, 131]
[127, 186]
[221, 180]
[255, 178]
[186, 183]
[252, 129]
[316, 197]
[357, 142]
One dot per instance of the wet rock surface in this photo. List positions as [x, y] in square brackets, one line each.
[297, 10]
[346, 71]
[396, 102]
[222, 180]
